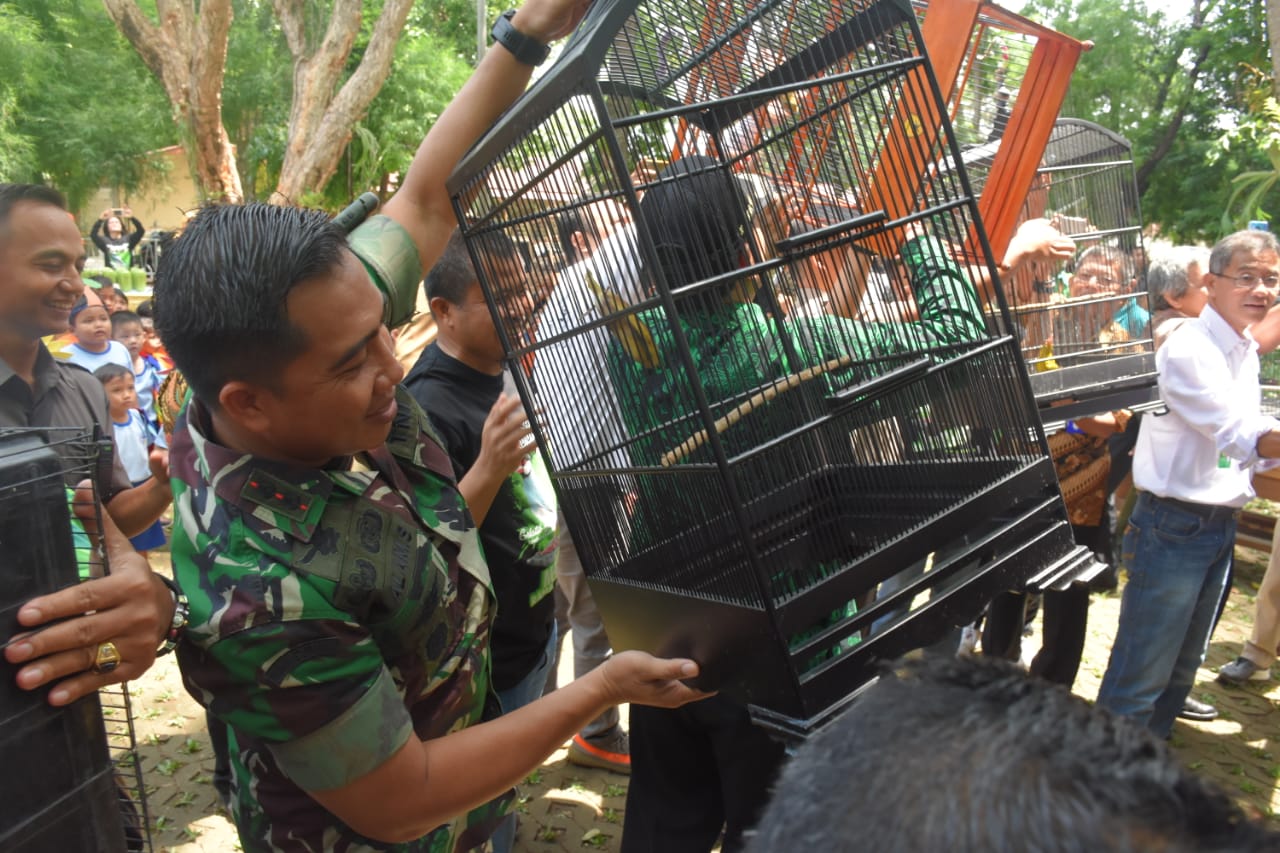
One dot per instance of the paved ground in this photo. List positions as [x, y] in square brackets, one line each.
[567, 808]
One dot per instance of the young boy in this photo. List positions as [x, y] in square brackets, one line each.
[91, 325]
[151, 343]
[127, 329]
[135, 439]
[115, 300]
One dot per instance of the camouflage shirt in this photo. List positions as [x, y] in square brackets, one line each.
[335, 613]
[736, 349]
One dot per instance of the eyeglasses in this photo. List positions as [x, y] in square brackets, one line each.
[1103, 280]
[1248, 280]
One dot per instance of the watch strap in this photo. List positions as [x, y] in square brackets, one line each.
[526, 49]
[181, 613]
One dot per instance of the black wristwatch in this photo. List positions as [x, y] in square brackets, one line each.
[181, 612]
[526, 49]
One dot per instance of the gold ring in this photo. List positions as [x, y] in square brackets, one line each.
[107, 658]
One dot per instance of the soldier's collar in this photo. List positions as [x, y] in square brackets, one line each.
[276, 495]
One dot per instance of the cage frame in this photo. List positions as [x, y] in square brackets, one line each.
[1036, 485]
[112, 703]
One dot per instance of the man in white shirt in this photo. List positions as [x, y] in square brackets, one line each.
[1192, 466]
[582, 424]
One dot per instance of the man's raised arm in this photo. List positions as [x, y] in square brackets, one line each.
[421, 205]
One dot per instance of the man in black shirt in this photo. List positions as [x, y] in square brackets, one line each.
[461, 383]
[129, 614]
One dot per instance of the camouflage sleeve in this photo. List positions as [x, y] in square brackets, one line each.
[315, 691]
[391, 258]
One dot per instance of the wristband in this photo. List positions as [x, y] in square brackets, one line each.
[181, 612]
[526, 49]
[1072, 429]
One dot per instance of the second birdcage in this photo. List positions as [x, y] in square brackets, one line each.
[1084, 323]
[72, 780]
[745, 444]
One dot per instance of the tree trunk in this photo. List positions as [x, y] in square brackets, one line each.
[187, 53]
[323, 115]
[1273, 37]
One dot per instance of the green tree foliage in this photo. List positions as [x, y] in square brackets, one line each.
[433, 60]
[1176, 88]
[77, 109]
[20, 60]
[255, 96]
[1254, 194]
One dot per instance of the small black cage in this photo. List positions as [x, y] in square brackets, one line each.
[746, 448]
[71, 780]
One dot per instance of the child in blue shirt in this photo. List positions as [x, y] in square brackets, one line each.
[141, 447]
[91, 325]
[126, 328]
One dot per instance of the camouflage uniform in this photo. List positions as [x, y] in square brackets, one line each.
[335, 613]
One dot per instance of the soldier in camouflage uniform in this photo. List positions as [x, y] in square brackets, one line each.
[340, 604]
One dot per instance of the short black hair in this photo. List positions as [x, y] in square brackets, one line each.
[11, 194]
[110, 371]
[102, 281]
[570, 222]
[696, 217]
[221, 290]
[453, 274]
[120, 318]
[972, 754]
[147, 309]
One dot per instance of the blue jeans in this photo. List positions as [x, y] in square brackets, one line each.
[1177, 561]
[518, 695]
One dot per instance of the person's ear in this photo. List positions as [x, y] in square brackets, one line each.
[441, 310]
[246, 404]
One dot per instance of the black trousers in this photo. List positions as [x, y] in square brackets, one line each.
[694, 771]
[1065, 615]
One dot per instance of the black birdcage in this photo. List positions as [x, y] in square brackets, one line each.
[1086, 342]
[741, 469]
[71, 780]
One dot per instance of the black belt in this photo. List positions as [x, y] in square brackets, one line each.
[1209, 511]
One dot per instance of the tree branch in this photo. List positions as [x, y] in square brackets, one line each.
[289, 14]
[363, 85]
[320, 120]
[1165, 144]
[147, 38]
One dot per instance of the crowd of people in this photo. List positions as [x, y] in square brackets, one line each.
[371, 576]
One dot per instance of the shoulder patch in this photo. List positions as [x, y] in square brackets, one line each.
[277, 495]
